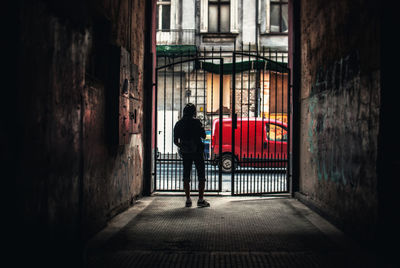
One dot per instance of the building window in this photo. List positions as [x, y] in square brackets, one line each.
[163, 15]
[213, 92]
[218, 16]
[279, 19]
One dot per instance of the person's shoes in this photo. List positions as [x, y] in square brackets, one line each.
[203, 203]
[188, 203]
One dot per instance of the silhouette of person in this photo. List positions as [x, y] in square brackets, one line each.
[188, 132]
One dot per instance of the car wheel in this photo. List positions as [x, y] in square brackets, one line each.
[227, 163]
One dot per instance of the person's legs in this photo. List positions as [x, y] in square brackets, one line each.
[187, 166]
[200, 167]
[186, 187]
[202, 186]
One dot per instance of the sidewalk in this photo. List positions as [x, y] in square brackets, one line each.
[234, 232]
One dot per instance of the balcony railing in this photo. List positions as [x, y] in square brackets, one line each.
[176, 37]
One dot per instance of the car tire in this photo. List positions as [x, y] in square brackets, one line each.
[227, 163]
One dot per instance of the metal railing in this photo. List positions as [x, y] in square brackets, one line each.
[176, 37]
[248, 89]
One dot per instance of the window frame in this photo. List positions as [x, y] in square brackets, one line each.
[233, 18]
[159, 4]
[279, 3]
[219, 3]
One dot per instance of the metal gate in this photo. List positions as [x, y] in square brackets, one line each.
[261, 123]
[181, 80]
[242, 99]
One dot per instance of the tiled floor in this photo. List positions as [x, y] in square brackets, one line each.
[233, 232]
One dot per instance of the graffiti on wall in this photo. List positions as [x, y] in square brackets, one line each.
[341, 116]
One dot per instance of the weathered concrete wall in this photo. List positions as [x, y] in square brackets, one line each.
[340, 100]
[113, 174]
[72, 175]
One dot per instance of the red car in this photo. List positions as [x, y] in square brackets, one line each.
[259, 142]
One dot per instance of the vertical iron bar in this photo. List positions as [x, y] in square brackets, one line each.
[180, 86]
[250, 171]
[169, 184]
[175, 154]
[253, 174]
[159, 175]
[289, 130]
[258, 112]
[221, 94]
[241, 123]
[255, 116]
[256, 175]
[166, 163]
[188, 101]
[176, 177]
[212, 103]
[172, 104]
[221, 103]
[173, 164]
[278, 75]
[276, 110]
[259, 186]
[269, 184]
[196, 96]
[180, 112]
[207, 160]
[168, 169]
[262, 124]
[164, 115]
[155, 133]
[233, 108]
[283, 94]
[248, 123]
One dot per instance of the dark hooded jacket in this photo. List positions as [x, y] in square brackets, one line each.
[188, 132]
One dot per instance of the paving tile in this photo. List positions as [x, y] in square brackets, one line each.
[233, 232]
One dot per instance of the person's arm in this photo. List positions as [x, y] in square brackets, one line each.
[176, 136]
[176, 142]
[202, 131]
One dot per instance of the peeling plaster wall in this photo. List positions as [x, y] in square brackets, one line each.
[339, 102]
[71, 178]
